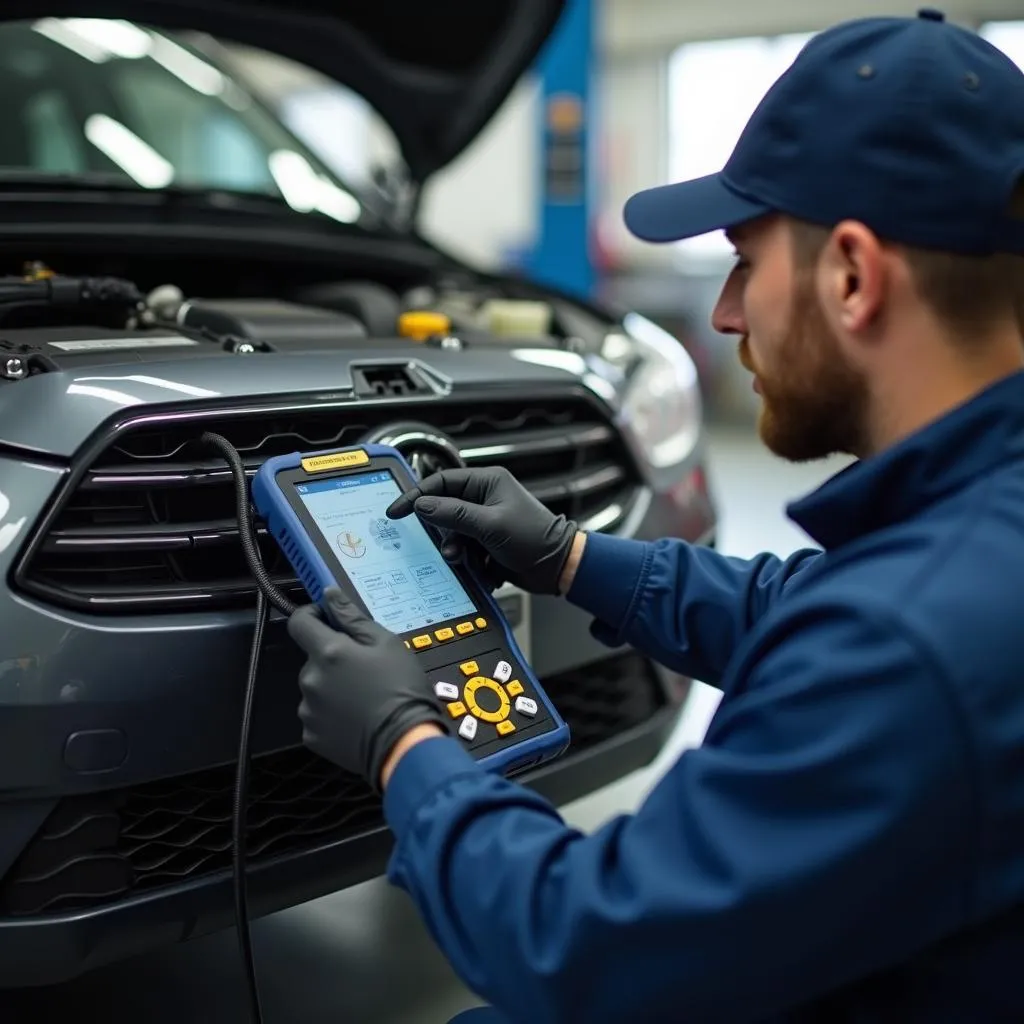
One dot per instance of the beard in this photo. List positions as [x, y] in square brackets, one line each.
[814, 404]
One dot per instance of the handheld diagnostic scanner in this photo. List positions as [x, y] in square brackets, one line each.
[327, 512]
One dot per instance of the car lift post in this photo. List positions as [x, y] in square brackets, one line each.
[562, 255]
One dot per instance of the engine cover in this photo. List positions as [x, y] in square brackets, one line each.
[207, 328]
[270, 325]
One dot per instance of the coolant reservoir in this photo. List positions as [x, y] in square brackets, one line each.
[516, 318]
[419, 325]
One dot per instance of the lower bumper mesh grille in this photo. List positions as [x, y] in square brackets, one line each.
[96, 849]
[176, 829]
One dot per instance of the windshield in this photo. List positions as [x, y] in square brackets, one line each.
[87, 97]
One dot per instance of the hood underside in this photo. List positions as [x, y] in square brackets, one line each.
[436, 72]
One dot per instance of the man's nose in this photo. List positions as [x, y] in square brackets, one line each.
[727, 316]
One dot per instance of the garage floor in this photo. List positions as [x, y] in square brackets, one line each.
[361, 957]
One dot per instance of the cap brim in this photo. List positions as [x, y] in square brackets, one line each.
[671, 213]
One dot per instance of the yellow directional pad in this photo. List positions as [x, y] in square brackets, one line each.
[481, 688]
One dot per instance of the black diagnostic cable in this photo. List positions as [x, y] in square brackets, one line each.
[268, 595]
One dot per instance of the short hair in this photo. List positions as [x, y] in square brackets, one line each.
[967, 293]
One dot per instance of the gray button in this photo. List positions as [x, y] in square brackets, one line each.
[526, 706]
[446, 691]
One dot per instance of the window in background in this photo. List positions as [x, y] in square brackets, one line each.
[714, 87]
[92, 96]
[1008, 36]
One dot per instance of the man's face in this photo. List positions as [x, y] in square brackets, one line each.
[814, 403]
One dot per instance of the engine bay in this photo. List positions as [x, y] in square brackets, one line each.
[51, 321]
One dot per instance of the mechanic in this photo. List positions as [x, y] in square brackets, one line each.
[848, 843]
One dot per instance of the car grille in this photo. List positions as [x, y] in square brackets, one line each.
[152, 526]
[97, 849]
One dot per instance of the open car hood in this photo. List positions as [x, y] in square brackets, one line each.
[436, 72]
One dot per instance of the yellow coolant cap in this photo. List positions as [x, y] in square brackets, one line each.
[422, 324]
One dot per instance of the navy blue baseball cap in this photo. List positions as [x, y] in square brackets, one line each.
[912, 126]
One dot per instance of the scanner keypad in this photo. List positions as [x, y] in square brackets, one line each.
[484, 698]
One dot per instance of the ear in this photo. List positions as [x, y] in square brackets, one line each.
[851, 278]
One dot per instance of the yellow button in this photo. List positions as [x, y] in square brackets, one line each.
[515, 687]
[444, 634]
[483, 683]
[465, 627]
[504, 728]
[469, 668]
[474, 684]
[481, 623]
[456, 709]
[419, 325]
[421, 641]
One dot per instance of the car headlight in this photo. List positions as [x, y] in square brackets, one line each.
[662, 406]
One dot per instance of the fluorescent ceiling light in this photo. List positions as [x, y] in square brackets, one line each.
[185, 66]
[136, 158]
[305, 190]
[294, 177]
[336, 202]
[57, 32]
[120, 38]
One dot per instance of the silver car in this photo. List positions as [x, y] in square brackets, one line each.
[180, 262]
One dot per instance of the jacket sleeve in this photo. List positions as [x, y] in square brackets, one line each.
[686, 607]
[823, 832]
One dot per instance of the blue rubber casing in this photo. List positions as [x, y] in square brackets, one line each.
[291, 535]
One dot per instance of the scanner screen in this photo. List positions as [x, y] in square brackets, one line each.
[393, 564]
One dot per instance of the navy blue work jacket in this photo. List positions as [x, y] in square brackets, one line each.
[847, 847]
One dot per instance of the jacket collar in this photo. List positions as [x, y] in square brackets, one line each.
[943, 457]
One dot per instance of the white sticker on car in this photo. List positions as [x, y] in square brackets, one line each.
[105, 344]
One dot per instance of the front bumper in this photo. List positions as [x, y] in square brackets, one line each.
[49, 949]
[145, 834]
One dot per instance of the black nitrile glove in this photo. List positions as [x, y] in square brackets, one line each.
[519, 540]
[362, 689]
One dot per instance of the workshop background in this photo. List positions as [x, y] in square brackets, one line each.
[628, 94]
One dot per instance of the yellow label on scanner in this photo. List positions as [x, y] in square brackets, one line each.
[339, 460]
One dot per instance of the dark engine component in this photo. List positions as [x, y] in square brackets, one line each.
[266, 325]
[375, 306]
[47, 289]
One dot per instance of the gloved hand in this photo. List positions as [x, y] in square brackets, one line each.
[362, 689]
[520, 540]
